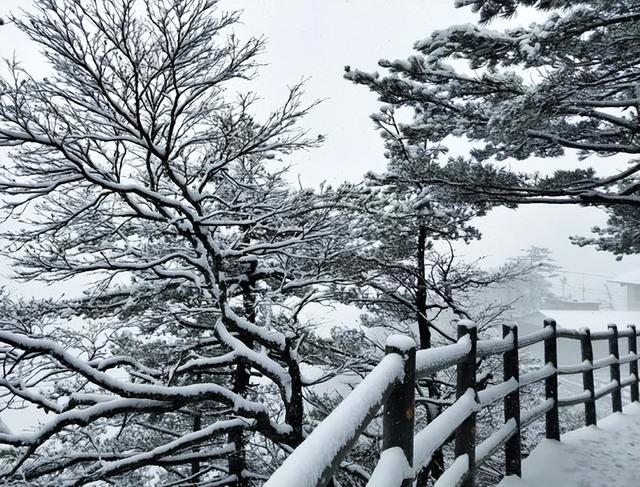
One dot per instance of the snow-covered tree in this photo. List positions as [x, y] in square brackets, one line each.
[405, 274]
[136, 166]
[568, 82]
[534, 285]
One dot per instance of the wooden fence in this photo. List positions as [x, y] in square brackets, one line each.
[391, 385]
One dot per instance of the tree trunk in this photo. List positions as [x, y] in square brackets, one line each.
[294, 414]
[238, 460]
[436, 467]
[197, 425]
[421, 291]
[241, 379]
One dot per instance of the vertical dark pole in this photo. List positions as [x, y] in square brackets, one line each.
[465, 443]
[614, 369]
[587, 378]
[633, 365]
[399, 409]
[513, 458]
[551, 382]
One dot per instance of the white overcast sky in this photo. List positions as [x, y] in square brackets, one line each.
[314, 40]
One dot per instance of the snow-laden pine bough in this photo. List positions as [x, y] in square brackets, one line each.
[563, 87]
[391, 385]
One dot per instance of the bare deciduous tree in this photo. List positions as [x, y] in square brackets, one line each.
[135, 164]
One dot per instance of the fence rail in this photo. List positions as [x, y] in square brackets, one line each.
[391, 385]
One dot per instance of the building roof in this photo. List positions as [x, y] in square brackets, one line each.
[629, 277]
[594, 320]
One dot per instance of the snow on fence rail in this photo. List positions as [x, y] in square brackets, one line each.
[391, 385]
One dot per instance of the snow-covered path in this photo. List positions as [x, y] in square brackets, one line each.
[589, 457]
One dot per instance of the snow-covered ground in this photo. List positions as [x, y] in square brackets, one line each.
[600, 456]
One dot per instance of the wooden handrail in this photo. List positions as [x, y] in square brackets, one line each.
[321, 451]
[511, 371]
[465, 434]
[586, 351]
[391, 384]
[614, 369]
[399, 409]
[552, 421]
[632, 346]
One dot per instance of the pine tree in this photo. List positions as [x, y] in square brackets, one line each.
[405, 274]
[565, 83]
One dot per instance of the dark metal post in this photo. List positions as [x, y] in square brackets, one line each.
[465, 443]
[511, 369]
[399, 409]
[586, 350]
[551, 382]
[633, 365]
[614, 369]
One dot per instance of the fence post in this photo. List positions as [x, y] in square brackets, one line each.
[511, 369]
[551, 383]
[399, 409]
[465, 443]
[633, 365]
[614, 369]
[586, 350]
